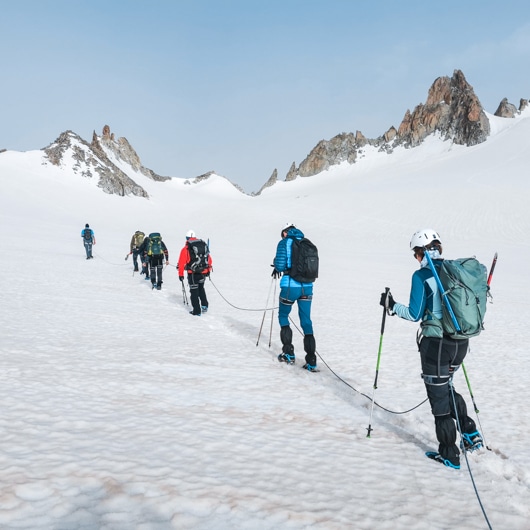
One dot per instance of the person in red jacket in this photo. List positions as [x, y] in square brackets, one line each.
[195, 259]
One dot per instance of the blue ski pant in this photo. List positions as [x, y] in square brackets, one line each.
[88, 248]
[303, 295]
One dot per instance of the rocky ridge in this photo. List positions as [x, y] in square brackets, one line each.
[452, 110]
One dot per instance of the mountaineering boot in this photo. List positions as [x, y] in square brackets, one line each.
[195, 314]
[471, 441]
[310, 349]
[288, 358]
[204, 308]
[287, 355]
[310, 367]
[433, 455]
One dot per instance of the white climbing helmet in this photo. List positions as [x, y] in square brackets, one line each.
[190, 233]
[422, 238]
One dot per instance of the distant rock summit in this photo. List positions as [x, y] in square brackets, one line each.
[452, 110]
[94, 161]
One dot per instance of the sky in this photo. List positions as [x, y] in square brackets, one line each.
[119, 410]
[244, 87]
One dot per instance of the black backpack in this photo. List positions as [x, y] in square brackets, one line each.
[87, 234]
[199, 253]
[304, 261]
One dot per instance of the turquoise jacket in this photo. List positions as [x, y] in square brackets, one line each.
[425, 297]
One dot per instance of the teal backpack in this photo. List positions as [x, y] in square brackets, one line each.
[466, 287]
[155, 244]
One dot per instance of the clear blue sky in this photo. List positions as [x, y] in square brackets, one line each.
[244, 86]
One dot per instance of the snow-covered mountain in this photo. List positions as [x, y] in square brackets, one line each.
[120, 410]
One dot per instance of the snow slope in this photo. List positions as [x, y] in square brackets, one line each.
[119, 410]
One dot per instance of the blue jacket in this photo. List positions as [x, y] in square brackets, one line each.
[282, 260]
[91, 234]
[424, 296]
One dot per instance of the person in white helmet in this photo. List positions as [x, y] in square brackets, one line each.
[440, 356]
[195, 259]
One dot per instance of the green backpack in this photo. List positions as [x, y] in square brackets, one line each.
[465, 284]
[155, 244]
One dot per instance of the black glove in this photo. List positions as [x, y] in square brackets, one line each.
[181, 278]
[387, 300]
[275, 274]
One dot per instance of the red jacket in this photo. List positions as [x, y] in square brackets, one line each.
[184, 259]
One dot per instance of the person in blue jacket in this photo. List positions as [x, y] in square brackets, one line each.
[440, 355]
[292, 291]
[88, 240]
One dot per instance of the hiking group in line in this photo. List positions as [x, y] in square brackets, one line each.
[442, 352]
[195, 260]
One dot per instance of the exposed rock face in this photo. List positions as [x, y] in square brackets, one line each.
[342, 147]
[206, 176]
[291, 174]
[91, 161]
[123, 150]
[272, 180]
[452, 109]
[523, 104]
[505, 109]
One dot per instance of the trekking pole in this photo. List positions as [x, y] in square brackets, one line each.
[272, 314]
[475, 406]
[265, 311]
[369, 429]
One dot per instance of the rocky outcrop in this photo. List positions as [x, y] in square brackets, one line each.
[123, 151]
[452, 109]
[272, 180]
[90, 161]
[523, 104]
[291, 174]
[206, 176]
[506, 109]
[341, 148]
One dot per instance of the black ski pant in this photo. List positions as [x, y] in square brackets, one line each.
[440, 358]
[156, 264]
[197, 292]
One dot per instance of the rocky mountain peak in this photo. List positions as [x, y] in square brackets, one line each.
[451, 109]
